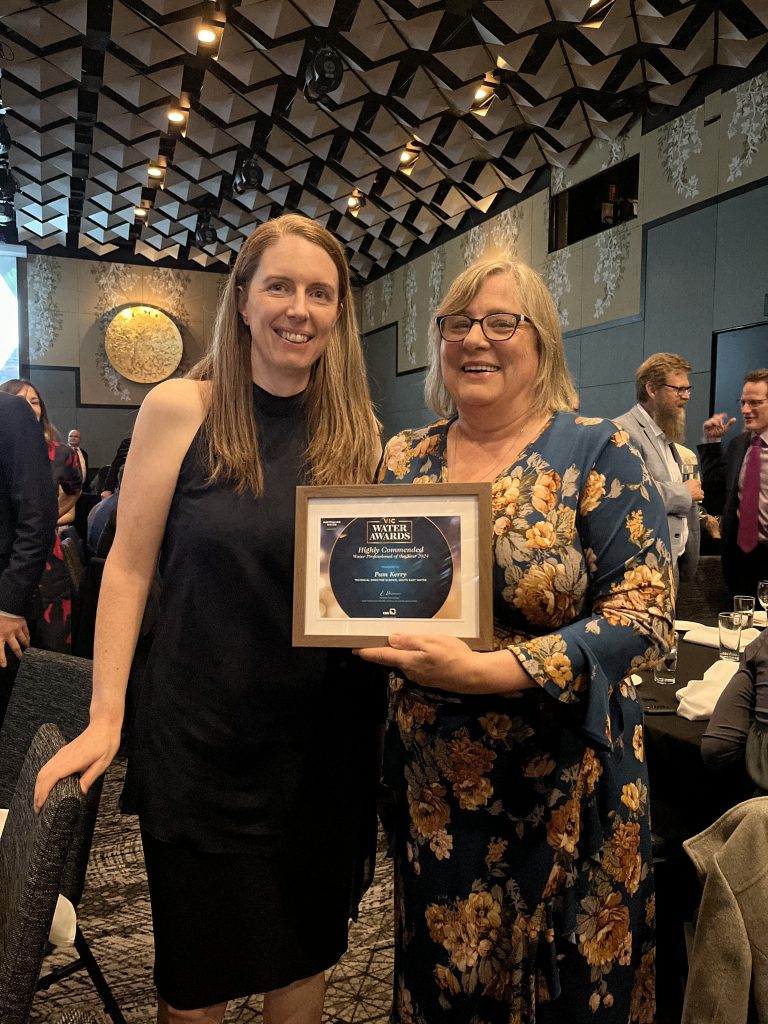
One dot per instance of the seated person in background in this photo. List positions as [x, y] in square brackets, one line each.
[654, 424]
[739, 724]
[102, 521]
[735, 480]
[110, 484]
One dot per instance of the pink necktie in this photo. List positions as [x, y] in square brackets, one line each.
[747, 536]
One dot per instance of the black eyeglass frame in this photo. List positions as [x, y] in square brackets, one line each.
[679, 388]
[520, 318]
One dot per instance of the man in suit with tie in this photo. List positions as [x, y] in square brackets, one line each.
[736, 485]
[73, 440]
[27, 527]
[654, 426]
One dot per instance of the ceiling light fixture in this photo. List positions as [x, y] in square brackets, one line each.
[156, 175]
[206, 35]
[409, 156]
[485, 94]
[324, 73]
[597, 13]
[355, 202]
[140, 212]
[205, 233]
[248, 176]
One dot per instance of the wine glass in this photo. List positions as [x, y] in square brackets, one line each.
[762, 594]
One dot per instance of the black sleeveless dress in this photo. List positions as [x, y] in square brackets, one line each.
[252, 764]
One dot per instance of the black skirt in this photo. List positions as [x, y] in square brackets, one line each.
[229, 925]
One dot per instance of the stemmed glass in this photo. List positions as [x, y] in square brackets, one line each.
[762, 594]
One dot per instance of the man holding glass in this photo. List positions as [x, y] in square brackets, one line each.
[655, 425]
[736, 485]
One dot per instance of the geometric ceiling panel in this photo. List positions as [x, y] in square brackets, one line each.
[90, 87]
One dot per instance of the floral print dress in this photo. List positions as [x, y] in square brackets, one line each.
[524, 882]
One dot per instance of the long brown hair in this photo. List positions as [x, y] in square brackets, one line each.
[553, 387]
[15, 386]
[342, 429]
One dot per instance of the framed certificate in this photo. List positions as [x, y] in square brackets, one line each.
[392, 558]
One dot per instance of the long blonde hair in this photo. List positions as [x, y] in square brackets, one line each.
[553, 387]
[342, 429]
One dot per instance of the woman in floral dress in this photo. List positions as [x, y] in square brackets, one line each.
[524, 878]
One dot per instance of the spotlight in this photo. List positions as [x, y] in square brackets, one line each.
[156, 172]
[206, 35]
[485, 94]
[324, 73]
[205, 233]
[177, 120]
[249, 175]
[409, 156]
[140, 212]
[355, 202]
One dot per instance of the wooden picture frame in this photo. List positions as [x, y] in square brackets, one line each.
[375, 560]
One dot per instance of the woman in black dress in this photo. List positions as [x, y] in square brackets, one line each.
[252, 764]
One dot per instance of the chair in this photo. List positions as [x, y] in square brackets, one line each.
[57, 687]
[33, 853]
[73, 562]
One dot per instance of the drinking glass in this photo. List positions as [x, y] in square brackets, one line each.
[746, 604]
[690, 471]
[729, 628]
[762, 594]
[665, 670]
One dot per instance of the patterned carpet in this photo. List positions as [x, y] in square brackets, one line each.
[115, 918]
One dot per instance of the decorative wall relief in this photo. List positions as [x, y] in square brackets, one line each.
[410, 333]
[387, 290]
[675, 144]
[612, 252]
[45, 316]
[143, 344]
[170, 290]
[558, 182]
[117, 283]
[109, 377]
[616, 151]
[558, 282]
[369, 301]
[505, 230]
[750, 120]
[436, 275]
[473, 244]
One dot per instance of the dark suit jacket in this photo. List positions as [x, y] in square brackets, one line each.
[28, 507]
[720, 466]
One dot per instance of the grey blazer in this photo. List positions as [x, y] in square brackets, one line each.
[676, 496]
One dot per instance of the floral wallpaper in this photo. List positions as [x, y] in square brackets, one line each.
[750, 122]
[559, 283]
[675, 144]
[410, 335]
[612, 249]
[44, 313]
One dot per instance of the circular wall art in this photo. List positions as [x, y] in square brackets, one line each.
[143, 344]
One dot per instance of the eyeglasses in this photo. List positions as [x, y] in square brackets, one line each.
[681, 389]
[495, 326]
[747, 403]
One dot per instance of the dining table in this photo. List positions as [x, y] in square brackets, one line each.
[686, 796]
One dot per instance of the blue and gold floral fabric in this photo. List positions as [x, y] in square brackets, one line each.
[524, 881]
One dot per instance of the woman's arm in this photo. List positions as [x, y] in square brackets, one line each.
[169, 418]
